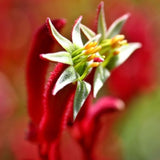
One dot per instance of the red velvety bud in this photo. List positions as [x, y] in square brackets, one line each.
[55, 107]
[83, 136]
[58, 109]
[91, 123]
[36, 69]
[97, 59]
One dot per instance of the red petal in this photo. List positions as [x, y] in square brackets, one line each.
[91, 124]
[67, 148]
[105, 104]
[55, 106]
[36, 69]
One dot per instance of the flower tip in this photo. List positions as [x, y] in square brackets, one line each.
[54, 92]
[80, 17]
[78, 20]
[101, 4]
[139, 45]
[61, 22]
[42, 56]
[120, 104]
[126, 16]
[48, 20]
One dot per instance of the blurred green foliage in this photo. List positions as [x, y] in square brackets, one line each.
[140, 128]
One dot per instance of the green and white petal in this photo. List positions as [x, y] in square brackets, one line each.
[95, 38]
[102, 27]
[101, 75]
[116, 26]
[62, 57]
[68, 76]
[82, 92]
[64, 42]
[125, 52]
[76, 35]
[87, 32]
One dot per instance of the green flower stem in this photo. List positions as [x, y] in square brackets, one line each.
[84, 74]
[105, 42]
[77, 52]
[107, 59]
[77, 56]
[80, 63]
[104, 50]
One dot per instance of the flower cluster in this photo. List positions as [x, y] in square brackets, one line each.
[64, 103]
[103, 50]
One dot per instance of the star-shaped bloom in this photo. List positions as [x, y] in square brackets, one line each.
[114, 48]
[105, 50]
[80, 57]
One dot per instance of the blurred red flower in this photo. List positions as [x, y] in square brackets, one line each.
[52, 128]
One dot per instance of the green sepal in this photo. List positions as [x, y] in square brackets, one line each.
[62, 57]
[101, 75]
[68, 76]
[125, 52]
[87, 31]
[102, 22]
[116, 26]
[82, 91]
[76, 36]
[64, 42]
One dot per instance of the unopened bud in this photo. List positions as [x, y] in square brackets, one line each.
[98, 59]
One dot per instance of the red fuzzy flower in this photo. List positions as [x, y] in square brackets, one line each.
[62, 117]
[51, 126]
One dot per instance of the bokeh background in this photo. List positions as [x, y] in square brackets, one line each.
[136, 81]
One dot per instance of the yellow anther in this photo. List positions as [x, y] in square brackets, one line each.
[94, 43]
[103, 57]
[91, 44]
[91, 57]
[116, 52]
[94, 64]
[89, 51]
[123, 42]
[96, 49]
[116, 39]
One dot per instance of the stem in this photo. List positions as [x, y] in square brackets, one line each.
[84, 74]
[107, 59]
[77, 51]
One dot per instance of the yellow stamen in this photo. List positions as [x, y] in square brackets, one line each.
[96, 49]
[91, 44]
[94, 43]
[91, 57]
[123, 42]
[89, 51]
[116, 52]
[94, 64]
[115, 40]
